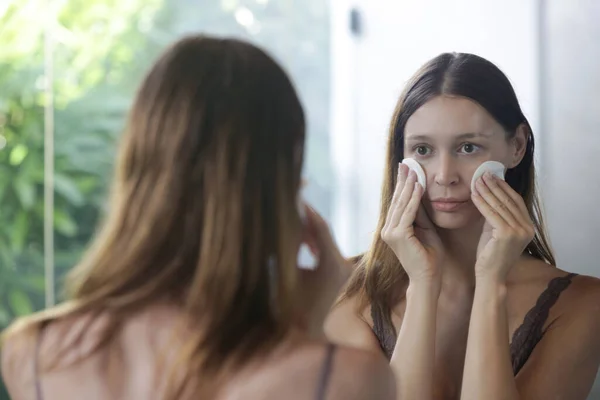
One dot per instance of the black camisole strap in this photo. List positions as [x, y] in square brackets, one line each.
[524, 340]
[325, 372]
[528, 335]
[386, 335]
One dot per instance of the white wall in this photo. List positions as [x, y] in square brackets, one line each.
[573, 143]
[369, 72]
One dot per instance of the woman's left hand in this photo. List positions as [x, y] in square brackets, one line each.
[507, 231]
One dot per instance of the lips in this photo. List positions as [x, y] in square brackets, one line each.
[447, 205]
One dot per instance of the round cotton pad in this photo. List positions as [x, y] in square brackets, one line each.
[415, 166]
[494, 167]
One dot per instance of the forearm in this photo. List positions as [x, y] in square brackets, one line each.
[488, 371]
[414, 354]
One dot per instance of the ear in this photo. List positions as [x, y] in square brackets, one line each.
[518, 145]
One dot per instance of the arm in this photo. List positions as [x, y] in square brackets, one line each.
[412, 237]
[414, 240]
[507, 231]
[565, 361]
[346, 327]
[413, 358]
[563, 365]
[414, 355]
[488, 371]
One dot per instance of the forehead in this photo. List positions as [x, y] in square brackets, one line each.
[449, 116]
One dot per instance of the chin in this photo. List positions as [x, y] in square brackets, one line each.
[449, 221]
[454, 220]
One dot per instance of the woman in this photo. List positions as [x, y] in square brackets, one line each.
[191, 290]
[466, 278]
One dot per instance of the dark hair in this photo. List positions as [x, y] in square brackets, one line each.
[453, 74]
[203, 211]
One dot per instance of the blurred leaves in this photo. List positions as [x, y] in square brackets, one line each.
[95, 46]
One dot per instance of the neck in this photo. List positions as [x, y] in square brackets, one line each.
[461, 247]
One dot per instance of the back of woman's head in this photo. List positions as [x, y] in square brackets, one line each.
[203, 206]
[454, 75]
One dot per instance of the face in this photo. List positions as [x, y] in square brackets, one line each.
[450, 137]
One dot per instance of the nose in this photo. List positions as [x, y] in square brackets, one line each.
[446, 173]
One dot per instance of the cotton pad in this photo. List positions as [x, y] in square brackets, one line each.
[415, 166]
[494, 167]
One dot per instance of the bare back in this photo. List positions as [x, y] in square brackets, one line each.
[136, 363]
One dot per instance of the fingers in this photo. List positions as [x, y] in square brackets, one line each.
[322, 239]
[499, 201]
[422, 220]
[499, 197]
[489, 213]
[403, 171]
[406, 194]
[516, 197]
[400, 181]
[317, 225]
[410, 212]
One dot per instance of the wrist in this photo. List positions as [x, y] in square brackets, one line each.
[490, 285]
[424, 288]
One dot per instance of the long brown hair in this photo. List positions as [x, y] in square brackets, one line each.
[203, 209]
[379, 274]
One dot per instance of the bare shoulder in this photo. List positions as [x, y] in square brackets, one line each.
[583, 298]
[570, 334]
[299, 369]
[347, 325]
[579, 294]
[17, 352]
[52, 332]
[359, 374]
[18, 340]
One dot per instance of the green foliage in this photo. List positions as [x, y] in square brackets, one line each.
[94, 76]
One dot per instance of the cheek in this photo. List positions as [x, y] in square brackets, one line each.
[468, 177]
[501, 152]
[467, 167]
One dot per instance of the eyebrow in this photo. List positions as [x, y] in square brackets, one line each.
[462, 136]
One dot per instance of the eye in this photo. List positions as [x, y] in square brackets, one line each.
[422, 150]
[469, 148]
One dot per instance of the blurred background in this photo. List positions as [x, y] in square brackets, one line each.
[69, 69]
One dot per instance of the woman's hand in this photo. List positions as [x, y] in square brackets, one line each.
[319, 287]
[410, 233]
[507, 231]
[412, 236]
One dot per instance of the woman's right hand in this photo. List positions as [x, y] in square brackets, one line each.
[320, 286]
[410, 233]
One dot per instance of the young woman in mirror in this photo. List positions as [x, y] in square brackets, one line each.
[460, 288]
